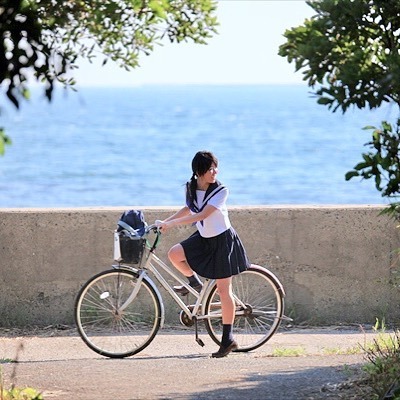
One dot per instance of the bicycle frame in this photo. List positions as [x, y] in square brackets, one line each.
[151, 265]
[154, 264]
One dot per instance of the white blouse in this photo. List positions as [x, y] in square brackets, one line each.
[218, 221]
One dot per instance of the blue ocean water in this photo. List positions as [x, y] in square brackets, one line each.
[133, 146]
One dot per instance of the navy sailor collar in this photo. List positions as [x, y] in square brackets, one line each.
[211, 191]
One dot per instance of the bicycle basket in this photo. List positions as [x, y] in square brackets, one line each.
[128, 250]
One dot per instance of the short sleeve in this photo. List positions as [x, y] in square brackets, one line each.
[219, 200]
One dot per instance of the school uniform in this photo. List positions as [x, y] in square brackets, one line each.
[215, 250]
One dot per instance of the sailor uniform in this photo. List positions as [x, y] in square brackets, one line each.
[215, 250]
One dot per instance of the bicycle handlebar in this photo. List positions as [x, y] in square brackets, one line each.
[152, 227]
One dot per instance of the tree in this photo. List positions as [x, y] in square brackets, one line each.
[349, 52]
[46, 38]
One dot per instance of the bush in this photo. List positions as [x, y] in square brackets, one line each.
[383, 367]
[20, 394]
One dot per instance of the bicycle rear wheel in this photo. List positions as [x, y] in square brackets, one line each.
[110, 320]
[256, 322]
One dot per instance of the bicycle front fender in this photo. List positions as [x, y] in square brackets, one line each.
[142, 274]
[154, 287]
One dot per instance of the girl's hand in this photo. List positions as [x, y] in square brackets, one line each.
[161, 225]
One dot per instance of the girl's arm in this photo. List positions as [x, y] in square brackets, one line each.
[184, 218]
[179, 214]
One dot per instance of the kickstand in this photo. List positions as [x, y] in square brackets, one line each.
[198, 340]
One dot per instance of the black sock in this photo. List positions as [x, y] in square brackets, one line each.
[227, 335]
[194, 280]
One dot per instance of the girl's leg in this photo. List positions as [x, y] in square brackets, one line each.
[228, 315]
[178, 259]
[227, 302]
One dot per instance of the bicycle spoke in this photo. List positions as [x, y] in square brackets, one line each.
[113, 322]
[259, 319]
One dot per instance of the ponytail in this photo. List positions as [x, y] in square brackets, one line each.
[201, 162]
[191, 187]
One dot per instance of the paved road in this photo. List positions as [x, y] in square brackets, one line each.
[174, 366]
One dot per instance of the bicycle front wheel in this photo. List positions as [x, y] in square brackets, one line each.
[259, 309]
[114, 317]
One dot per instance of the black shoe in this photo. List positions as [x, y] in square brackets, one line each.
[183, 291]
[224, 351]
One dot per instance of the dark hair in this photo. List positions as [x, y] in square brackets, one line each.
[201, 163]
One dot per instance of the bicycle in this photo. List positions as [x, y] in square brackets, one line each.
[118, 312]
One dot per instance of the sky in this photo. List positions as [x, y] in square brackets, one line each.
[243, 52]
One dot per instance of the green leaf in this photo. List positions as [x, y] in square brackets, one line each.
[351, 174]
[4, 140]
[386, 162]
[362, 165]
[378, 182]
[324, 101]
[386, 126]
[376, 135]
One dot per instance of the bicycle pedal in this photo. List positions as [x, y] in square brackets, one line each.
[181, 290]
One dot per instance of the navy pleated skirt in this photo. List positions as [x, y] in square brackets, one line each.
[217, 257]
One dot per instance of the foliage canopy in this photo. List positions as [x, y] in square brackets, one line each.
[350, 49]
[47, 37]
[44, 39]
[349, 52]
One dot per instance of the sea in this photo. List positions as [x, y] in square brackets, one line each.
[99, 147]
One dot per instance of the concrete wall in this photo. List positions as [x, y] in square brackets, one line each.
[334, 262]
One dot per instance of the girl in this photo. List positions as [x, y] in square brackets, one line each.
[214, 251]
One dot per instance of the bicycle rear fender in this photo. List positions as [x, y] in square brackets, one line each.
[272, 276]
